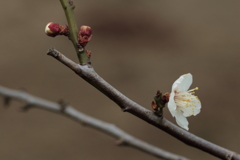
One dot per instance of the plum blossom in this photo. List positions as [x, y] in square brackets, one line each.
[182, 102]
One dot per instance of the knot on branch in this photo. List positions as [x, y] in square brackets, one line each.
[71, 3]
[26, 107]
[53, 52]
[63, 105]
[6, 101]
[121, 142]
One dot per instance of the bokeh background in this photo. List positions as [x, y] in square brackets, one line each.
[139, 47]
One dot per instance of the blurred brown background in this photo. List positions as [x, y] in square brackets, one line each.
[138, 47]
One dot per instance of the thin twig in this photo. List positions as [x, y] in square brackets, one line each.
[127, 105]
[124, 139]
[68, 8]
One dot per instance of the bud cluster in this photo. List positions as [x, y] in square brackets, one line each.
[159, 102]
[84, 34]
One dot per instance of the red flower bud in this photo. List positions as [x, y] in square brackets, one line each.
[84, 35]
[52, 29]
[154, 106]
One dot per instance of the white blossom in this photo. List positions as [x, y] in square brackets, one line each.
[182, 102]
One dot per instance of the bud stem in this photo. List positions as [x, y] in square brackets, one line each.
[158, 100]
[73, 30]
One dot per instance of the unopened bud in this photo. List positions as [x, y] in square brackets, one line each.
[158, 94]
[154, 106]
[84, 35]
[165, 98]
[52, 29]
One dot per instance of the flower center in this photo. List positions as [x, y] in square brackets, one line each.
[186, 99]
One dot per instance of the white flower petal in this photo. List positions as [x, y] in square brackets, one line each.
[181, 120]
[192, 110]
[177, 83]
[183, 83]
[171, 104]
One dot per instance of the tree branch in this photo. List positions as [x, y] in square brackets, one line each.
[127, 105]
[124, 139]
